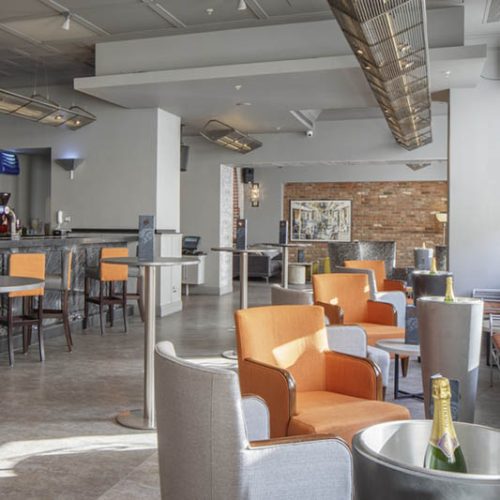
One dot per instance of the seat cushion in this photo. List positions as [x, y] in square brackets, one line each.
[376, 332]
[320, 412]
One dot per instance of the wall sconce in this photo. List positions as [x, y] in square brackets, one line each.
[70, 165]
[254, 194]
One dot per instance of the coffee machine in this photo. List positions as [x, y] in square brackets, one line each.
[10, 214]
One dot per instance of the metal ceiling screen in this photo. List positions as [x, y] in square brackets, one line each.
[228, 137]
[389, 39]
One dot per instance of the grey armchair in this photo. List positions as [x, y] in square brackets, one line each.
[205, 430]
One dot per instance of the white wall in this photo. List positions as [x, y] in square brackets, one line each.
[349, 140]
[474, 227]
[168, 171]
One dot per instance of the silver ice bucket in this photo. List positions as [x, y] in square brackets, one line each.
[388, 462]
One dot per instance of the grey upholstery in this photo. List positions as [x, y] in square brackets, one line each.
[441, 254]
[265, 266]
[204, 448]
[285, 296]
[340, 251]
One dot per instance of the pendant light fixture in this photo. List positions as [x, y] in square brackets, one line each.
[66, 25]
[389, 39]
[242, 5]
[228, 137]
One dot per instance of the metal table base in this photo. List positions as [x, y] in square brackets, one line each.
[398, 393]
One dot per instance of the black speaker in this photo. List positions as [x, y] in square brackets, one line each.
[184, 157]
[247, 175]
[283, 236]
[241, 234]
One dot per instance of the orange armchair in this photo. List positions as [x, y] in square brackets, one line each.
[283, 357]
[346, 299]
[378, 267]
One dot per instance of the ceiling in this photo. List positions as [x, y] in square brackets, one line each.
[35, 49]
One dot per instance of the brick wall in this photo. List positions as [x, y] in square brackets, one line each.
[400, 211]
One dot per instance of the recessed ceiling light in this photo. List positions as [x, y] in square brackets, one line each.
[243, 104]
[447, 73]
[278, 128]
[210, 11]
[238, 87]
[242, 5]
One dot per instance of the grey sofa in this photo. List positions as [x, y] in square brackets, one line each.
[205, 434]
[264, 265]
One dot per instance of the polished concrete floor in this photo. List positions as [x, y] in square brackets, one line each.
[58, 437]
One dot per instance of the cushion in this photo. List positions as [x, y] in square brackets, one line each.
[320, 412]
[375, 332]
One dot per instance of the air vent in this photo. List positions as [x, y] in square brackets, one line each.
[492, 14]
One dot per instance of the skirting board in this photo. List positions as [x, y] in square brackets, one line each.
[166, 309]
[210, 290]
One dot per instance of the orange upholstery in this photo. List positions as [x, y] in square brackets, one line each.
[27, 265]
[378, 267]
[496, 340]
[339, 414]
[113, 272]
[351, 293]
[283, 357]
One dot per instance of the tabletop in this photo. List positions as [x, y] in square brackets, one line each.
[157, 262]
[398, 346]
[238, 250]
[18, 284]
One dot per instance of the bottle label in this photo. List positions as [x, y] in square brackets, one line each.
[447, 444]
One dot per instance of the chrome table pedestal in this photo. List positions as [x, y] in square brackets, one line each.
[145, 419]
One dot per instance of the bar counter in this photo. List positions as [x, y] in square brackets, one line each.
[85, 250]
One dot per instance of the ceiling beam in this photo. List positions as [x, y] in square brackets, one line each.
[61, 9]
[164, 13]
[28, 39]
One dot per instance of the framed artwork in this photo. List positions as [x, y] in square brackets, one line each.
[320, 220]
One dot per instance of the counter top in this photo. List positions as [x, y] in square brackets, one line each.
[62, 241]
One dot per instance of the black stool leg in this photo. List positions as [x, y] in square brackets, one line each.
[86, 303]
[25, 327]
[65, 315]
[124, 305]
[101, 308]
[111, 307]
[140, 302]
[41, 347]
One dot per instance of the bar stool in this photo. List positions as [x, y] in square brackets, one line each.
[26, 265]
[61, 283]
[107, 275]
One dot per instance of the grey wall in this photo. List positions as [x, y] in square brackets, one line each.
[117, 181]
[474, 223]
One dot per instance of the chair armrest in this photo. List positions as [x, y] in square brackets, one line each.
[398, 300]
[256, 415]
[334, 313]
[276, 386]
[382, 313]
[279, 468]
[353, 376]
[394, 286]
[347, 339]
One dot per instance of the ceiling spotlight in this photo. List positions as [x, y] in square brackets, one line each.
[66, 25]
[210, 11]
[242, 5]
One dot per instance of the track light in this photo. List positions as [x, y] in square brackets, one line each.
[242, 5]
[66, 25]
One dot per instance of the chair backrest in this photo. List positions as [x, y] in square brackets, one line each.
[339, 251]
[201, 431]
[113, 272]
[372, 282]
[380, 250]
[27, 265]
[378, 267]
[349, 291]
[292, 337]
[290, 296]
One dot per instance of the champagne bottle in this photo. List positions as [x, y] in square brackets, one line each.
[433, 266]
[449, 296]
[443, 451]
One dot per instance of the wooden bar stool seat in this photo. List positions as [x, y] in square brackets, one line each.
[61, 283]
[26, 265]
